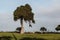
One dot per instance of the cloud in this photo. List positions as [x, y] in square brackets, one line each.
[50, 7]
[51, 11]
[48, 15]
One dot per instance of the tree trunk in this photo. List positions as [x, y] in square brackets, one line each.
[22, 28]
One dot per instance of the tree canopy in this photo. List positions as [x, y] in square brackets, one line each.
[18, 29]
[24, 13]
[57, 28]
[43, 29]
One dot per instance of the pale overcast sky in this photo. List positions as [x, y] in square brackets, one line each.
[47, 14]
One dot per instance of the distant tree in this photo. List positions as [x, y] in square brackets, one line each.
[42, 29]
[24, 13]
[57, 28]
[18, 29]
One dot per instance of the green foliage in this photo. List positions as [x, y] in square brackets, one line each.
[43, 29]
[5, 38]
[18, 29]
[57, 28]
[25, 13]
[30, 36]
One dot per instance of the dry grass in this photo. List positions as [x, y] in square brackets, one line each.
[32, 36]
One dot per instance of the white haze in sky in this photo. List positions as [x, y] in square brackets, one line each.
[47, 14]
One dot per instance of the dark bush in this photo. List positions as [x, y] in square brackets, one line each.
[5, 38]
[27, 38]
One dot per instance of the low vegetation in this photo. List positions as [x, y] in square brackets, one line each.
[18, 36]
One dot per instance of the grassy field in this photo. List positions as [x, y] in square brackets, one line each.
[17, 36]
